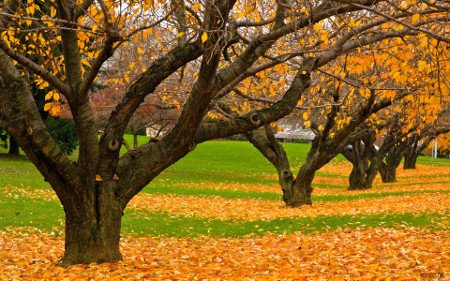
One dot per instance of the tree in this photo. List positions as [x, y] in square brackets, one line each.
[390, 154]
[378, 65]
[224, 44]
[416, 143]
[364, 165]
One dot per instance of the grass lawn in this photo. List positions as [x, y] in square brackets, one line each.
[227, 190]
[224, 169]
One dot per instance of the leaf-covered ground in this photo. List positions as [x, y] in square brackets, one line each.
[365, 254]
[213, 217]
[254, 209]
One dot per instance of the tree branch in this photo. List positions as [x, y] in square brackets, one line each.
[36, 69]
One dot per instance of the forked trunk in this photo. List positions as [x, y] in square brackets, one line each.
[388, 170]
[358, 179]
[410, 161]
[388, 174]
[264, 140]
[362, 177]
[300, 194]
[93, 231]
[411, 151]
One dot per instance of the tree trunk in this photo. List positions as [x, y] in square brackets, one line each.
[300, 194]
[93, 231]
[363, 157]
[13, 147]
[362, 181]
[410, 161]
[358, 179]
[388, 173]
[363, 174]
[264, 140]
[388, 170]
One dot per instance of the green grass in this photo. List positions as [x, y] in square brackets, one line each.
[22, 212]
[48, 215]
[234, 194]
[425, 160]
[212, 162]
[19, 171]
[180, 226]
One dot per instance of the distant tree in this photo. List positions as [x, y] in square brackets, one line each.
[362, 155]
[416, 144]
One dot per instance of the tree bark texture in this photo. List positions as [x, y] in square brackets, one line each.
[364, 165]
[410, 160]
[93, 229]
[388, 169]
[264, 140]
[295, 193]
[302, 189]
[412, 151]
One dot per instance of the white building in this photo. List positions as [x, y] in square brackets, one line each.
[291, 133]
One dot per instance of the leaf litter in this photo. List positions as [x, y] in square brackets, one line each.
[361, 254]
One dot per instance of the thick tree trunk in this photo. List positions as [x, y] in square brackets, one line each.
[410, 161]
[93, 231]
[362, 155]
[388, 173]
[264, 140]
[358, 179]
[301, 191]
[393, 158]
[363, 174]
[13, 146]
[388, 170]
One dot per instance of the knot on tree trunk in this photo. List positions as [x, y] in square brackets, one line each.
[287, 174]
[255, 119]
[114, 145]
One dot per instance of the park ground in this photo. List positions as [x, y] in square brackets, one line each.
[218, 214]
